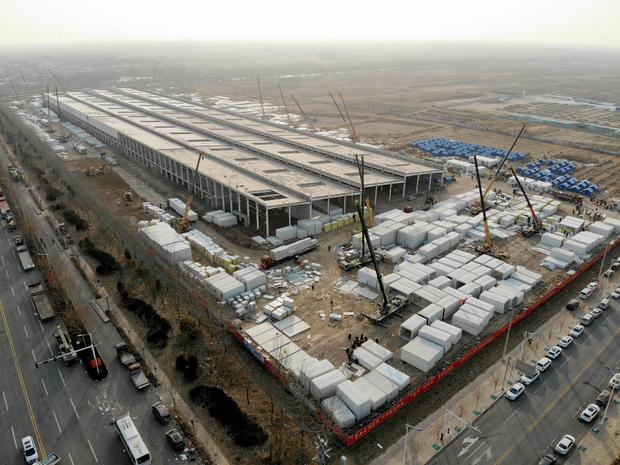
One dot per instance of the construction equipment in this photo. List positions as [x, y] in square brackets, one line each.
[536, 223]
[353, 132]
[488, 246]
[97, 170]
[307, 118]
[65, 346]
[63, 136]
[183, 224]
[350, 130]
[260, 96]
[476, 208]
[288, 116]
[128, 196]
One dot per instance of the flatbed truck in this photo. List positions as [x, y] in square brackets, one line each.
[40, 301]
[22, 253]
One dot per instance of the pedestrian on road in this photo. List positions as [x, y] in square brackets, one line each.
[441, 437]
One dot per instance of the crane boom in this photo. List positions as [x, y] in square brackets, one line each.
[354, 136]
[535, 219]
[288, 116]
[260, 96]
[501, 164]
[341, 115]
[307, 118]
[184, 223]
[488, 242]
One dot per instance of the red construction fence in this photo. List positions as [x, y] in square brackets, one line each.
[350, 439]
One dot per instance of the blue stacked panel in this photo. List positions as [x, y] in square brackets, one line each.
[441, 147]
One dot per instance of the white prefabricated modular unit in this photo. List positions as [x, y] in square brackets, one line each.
[325, 385]
[296, 362]
[476, 311]
[377, 397]
[454, 332]
[368, 277]
[179, 206]
[437, 336]
[396, 376]
[223, 286]
[468, 322]
[421, 353]
[552, 239]
[440, 282]
[378, 350]
[366, 358]
[395, 254]
[404, 287]
[382, 383]
[487, 307]
[314, 370]
[472, 289]
[613, 222]
[338, 411]
[431, 312]
[357, 401]
[251, 277]
[575, 246]
[499, 303]
[286, 233]
[411, 326]
[487, 282]
[450, 304]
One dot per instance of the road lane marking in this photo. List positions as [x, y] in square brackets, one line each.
[26, 331]
[92, 450]
[2, 256]
[12, 290]
[20, 377]
[50, 348]
[7, 274]
[61, 378]
[41, 325]
[33, 356]
[74, 409]
[19, 310]
[6, 405]
[14, 440]
[57, 423]
[25, 285]
[510, 416]
[70, 458]
[557, 399]
[44, 387]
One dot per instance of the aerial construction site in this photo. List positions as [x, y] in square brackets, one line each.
[299, 284]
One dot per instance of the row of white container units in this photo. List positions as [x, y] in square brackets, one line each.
[158, 213]
[463, 166]
[346, 400]
[279, 308]
[532, 184]
[166, 241]
[290, 250]
[206, 246]
[220, 218]
[179, 206]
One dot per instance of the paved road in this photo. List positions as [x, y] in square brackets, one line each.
[60, 406]
[520, 432]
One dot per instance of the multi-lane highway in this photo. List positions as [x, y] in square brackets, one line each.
[520, 432]
[60, 407]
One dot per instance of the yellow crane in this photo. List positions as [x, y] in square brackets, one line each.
[183, 224]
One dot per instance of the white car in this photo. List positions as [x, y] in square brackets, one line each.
[590, 413]
[615, 294]
[565, 342]
[593, 285]
[596, 312]
[608, 273]
[554, 352]
[576, 331]
[603, 304]
[527, 380]
[543, 364]
[565, 445]
[515, 391]
[614, 382]
[29, 450]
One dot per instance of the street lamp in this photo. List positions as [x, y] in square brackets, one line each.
[600, 271]
[409, 427]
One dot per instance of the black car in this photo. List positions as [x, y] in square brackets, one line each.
[160, 412]
[572, 304]
[175, 440]
[548, 460]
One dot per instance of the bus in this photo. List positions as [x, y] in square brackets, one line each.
[134, 445]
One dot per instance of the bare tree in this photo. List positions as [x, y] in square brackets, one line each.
[478, 394]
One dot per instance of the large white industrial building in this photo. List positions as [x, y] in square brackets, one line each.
[254, 169]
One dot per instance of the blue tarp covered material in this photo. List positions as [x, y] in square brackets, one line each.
[556, 172]
[441, 147]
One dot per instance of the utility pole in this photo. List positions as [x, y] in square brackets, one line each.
[512, 314]
[323, 448]
[360, 169]
[408, 428]
[260, 96]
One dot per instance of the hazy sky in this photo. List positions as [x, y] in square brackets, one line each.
[563, 22]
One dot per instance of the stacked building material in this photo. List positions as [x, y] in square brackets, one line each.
[167, 242]
[366, 358]
[411, 327]
[356, 399]
[454, 332]
[381, 382]
[179, 206]
[223, 286]
[251, 277]
[337, 410]
[400, 379]
[377, 397]
[157, 212]
[325, 385]
[313, 369]
[286, 233]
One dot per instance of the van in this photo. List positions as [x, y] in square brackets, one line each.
[572, 304]
[587, 319]
[585, 293]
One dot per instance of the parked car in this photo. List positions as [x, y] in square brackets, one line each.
[603, 398]
[576, 331]
[585, 293]
[590, 413]
[515, 391]
[29, 450]
[161, 412]
[593, 285]
[596, 312]
[565, 445]
[529, 379]
[614, 382]
[543, 364]
[607, 273]
[572, 304]
[587, 319]
[175, 440]
[124, 354]
[554, 352]
[603, 304]
[547, 459]
[615, 294]
[565, 342]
